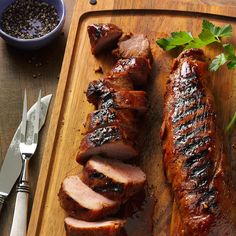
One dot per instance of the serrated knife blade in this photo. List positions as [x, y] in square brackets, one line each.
[12, 164]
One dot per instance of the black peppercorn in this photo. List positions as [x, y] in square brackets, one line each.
[28, 19]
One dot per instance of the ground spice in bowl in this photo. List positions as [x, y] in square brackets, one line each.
[29, 19]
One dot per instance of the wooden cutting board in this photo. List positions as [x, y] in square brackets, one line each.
[153, 18]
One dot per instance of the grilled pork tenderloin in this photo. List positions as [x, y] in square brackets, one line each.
[134, 46]
[103, 37]
[98, 88]
[194, 157]
[81, 202]
[113, 179]
[107, 117]
[114, 142]
[138, 69]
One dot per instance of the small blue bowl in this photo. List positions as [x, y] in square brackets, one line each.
[36, 43]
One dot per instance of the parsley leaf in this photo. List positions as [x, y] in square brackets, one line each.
[229, 49]
[209, 34]
[176, 39]
[217, 62]
[228, 56]
[231, 123]
[196, 43]
[216, 31]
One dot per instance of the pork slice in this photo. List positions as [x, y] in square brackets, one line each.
[135, 46]
[113, 227]
[106, 117]
[121, 81]
[103, 37]
[113, 179]
[138, 69]
[97, 88]
[82, 202]
[134, 100]
[112, 141]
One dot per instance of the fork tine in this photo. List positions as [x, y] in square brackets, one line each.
[24, 119]
[37, 114]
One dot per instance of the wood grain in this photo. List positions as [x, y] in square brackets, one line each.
[17, 73]
[155, 19]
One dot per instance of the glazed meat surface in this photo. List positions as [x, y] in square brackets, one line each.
[76, 227]
[134, 100]
[194, 156]
[81, 202]
[98, 88]
[138, 69]
[107, 117]
[113, 179]
[103, 37]
[111, 141]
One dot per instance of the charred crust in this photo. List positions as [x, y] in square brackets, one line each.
[104, 135]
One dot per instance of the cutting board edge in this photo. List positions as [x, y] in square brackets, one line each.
[54, 126]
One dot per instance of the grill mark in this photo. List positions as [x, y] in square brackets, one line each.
[180, 102]
[109, 187]
[195, 158]
[183, 81]
[191, 122]
[96, 175]
[103, 135]
[208, 198]
[200, 171]
[184, 138]
[200, 142]
[189, 111]
[107, 101]
[103, 116]
[202, 183]
[192, 90]
[183, 87]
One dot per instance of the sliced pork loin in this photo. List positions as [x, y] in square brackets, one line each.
[97, 88]
[113, 179]
[134, 100]
[135, 46]
[103, 37]
[114, 142]
[138, 69]
[112, 227]
[106, 117]
[82, 202]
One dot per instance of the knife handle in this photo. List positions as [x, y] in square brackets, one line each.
[19, 224]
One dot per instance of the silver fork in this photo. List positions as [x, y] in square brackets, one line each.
[19, 224]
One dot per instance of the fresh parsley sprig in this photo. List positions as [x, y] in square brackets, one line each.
[177, 39]
[228, 56]
[209, 34]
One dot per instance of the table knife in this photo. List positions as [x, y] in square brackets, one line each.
[12, 164]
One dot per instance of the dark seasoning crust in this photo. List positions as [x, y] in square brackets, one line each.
[104, 135]
[193, 155]
[110, 185]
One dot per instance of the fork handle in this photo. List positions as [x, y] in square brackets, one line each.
[2, 200]
[19, 224]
